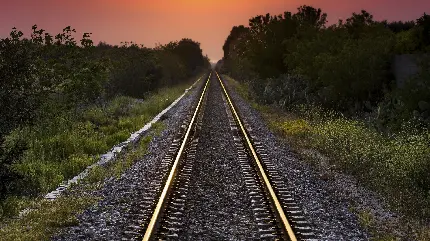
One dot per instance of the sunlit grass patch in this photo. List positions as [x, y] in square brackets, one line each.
[424, 233]
[296, 127]
[399, 161]
[396, 166]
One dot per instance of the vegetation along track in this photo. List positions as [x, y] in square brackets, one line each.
[276, 214]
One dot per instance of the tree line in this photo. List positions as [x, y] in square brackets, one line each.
[49, 83]
[295, 58]
[39, 72]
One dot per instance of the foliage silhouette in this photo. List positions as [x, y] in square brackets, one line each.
[345, 66]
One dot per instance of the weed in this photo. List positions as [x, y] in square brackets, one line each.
[46, 218]
[296, 127]
[96, 174]
[366, 219]
[158, 127]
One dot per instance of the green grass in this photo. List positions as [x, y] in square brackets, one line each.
[387, 164]
[368, 221]
[48, 217]
[59, 148]
[122, 162]
[397, 167]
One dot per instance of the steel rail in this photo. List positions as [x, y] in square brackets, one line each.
[279, 211]
[163, 197]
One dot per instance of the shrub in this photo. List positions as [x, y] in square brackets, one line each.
[407, 104]
[97, 116]
[22, 88]
[287, 90]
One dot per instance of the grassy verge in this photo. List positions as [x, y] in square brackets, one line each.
[48, 217]
[397, 167]
[61, 146]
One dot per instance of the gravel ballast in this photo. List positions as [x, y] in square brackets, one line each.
[218, 204]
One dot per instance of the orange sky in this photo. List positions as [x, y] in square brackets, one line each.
[160, 21]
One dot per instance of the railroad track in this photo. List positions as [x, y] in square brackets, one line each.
[277, 215]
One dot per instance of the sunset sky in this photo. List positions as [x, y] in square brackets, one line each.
[159, 21]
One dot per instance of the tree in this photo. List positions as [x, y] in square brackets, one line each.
[310, 16]
[424, 24]
[190, 53]
[236, 33]
[399, 26]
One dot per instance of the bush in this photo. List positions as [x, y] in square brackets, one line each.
[287, 90]
[22, 88]
[345, 70]
[409, 103]
[407, 42]
[11, 206]
[135, 72]
[387, 164]
[97, 116]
